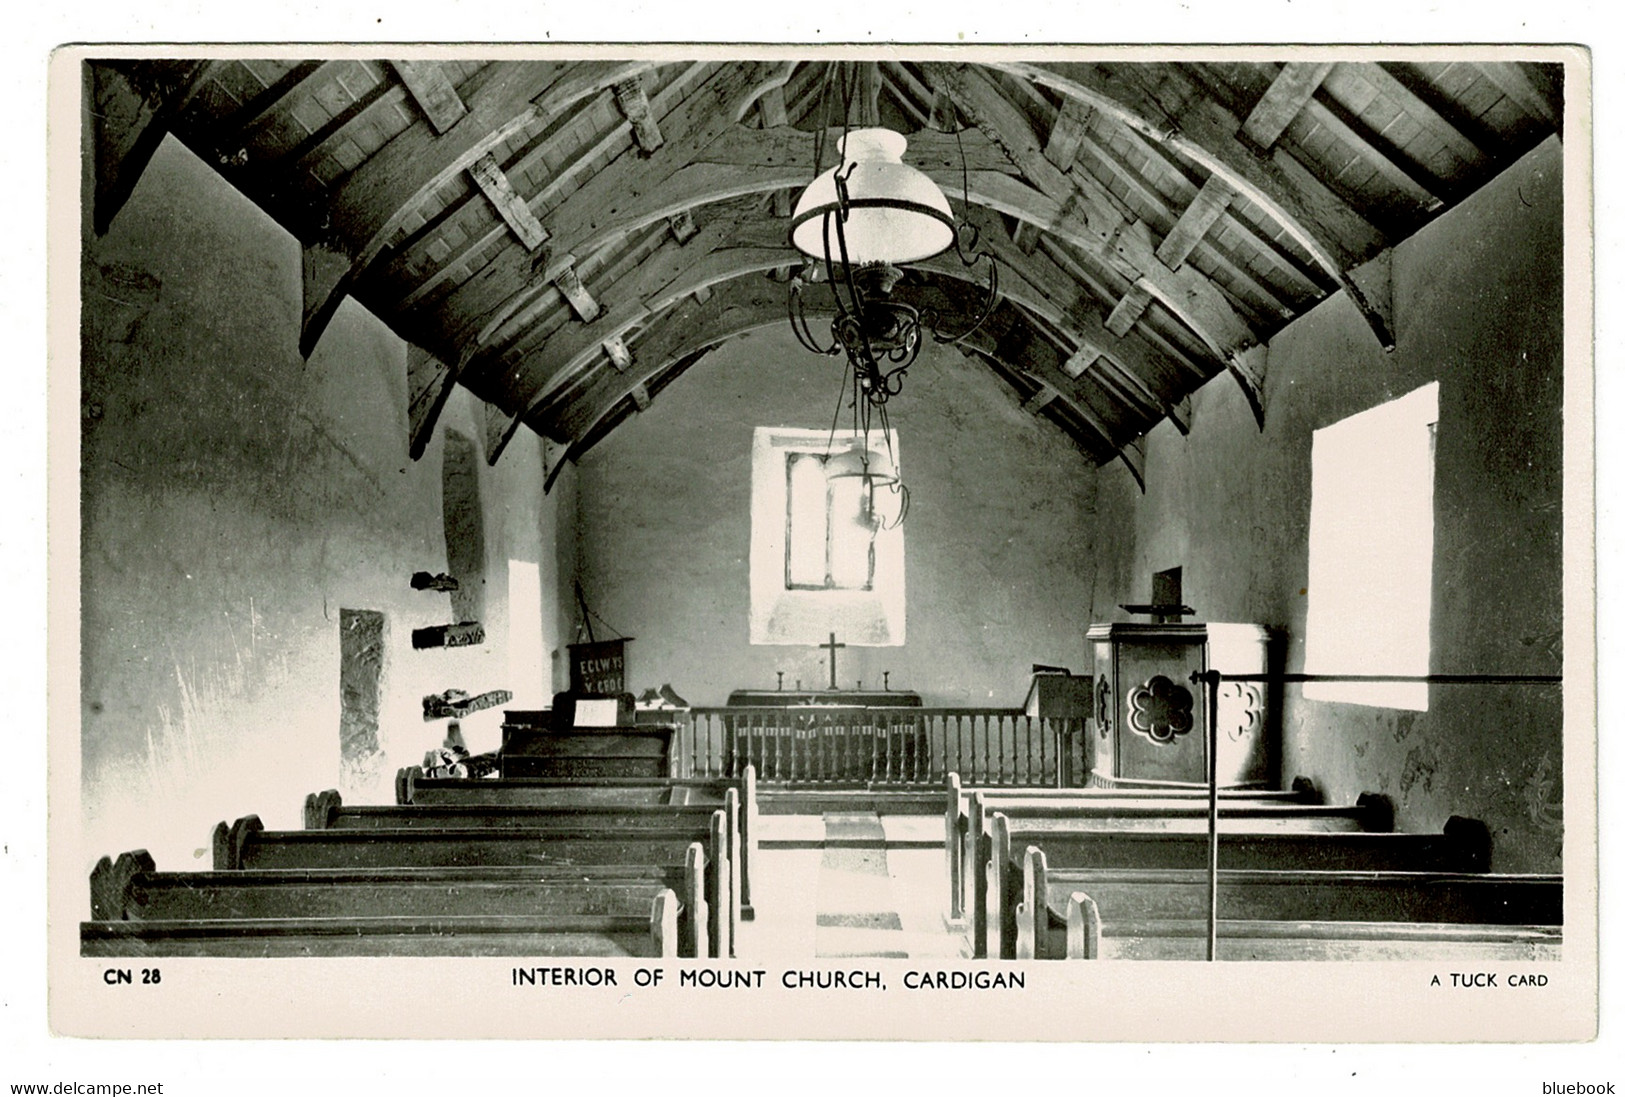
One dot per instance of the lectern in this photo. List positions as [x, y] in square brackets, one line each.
[1150, 719]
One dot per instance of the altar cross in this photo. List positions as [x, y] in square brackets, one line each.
[832, 645]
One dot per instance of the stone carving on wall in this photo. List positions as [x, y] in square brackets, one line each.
[1241, 709]
[1161, 710]
[1103, 706]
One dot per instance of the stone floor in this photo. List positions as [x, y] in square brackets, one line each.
[850, 884]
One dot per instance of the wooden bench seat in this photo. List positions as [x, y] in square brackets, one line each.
[584, 793]
[1250, 940]
[652, 934]
[1136, 896]
[1463, 846]
[413, 787]
[246, 844]
[1141, 804]
[878, 798]
[131, 889]
[968, 821]
[327, 811]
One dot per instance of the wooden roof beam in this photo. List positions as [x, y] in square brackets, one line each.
[431, 89]
[428, 385]
[129, 123]
[1283, 258]
[402, 267]
[1405, 182]
[1071, 124]
[496, 187]
[1193, 224]
[744, 305]
[773, 113]
[243, 127]
[743, 161]
[737, 250]
[634, 103]
[1187, 293]
[373, 201]
[1516, 85]
[1206, 134]
[590, 216]
[913, 96]
[671, 273]
[1283, 101]
[1435, 123]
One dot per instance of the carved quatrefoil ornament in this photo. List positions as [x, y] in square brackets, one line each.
[1160, 710]
[1240, 709]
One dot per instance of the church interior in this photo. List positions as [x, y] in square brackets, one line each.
[458, 413]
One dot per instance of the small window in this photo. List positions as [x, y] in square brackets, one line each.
[824, 555]
[829, 544]
[1371, 552]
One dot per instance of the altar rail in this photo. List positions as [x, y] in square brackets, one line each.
[859, 747]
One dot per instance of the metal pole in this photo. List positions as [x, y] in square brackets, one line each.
[1211, 679]
[1428, 679]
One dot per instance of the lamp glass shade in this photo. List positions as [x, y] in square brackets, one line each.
[896, 214]
[858, 461]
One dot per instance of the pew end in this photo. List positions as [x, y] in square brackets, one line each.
[1377, 812]
[663, 925]
[321, 807]
[696, 941]
[749, 829]
[229, 842]
[1475, 840]
[952, 847]
[110, 883]
[1082, 928]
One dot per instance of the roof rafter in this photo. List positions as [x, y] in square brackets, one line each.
[372, 202]
[1207, 135]
[1187, 293]
[576, 222]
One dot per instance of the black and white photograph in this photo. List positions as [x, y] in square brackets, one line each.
[812, 542]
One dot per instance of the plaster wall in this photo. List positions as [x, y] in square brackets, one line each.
[998, 543]
[234, 499]
[1479, 308]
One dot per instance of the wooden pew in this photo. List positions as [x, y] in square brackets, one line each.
[957, 817]
[131, 889]
[411, 787]
[246, 844]
[327, 810]
[1464, 846]
[966, 820]
[1141, 897]
[654, 934]
[1238, 939]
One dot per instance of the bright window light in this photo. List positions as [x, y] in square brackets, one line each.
[1371, 552]
[820, 559]
[528, 667]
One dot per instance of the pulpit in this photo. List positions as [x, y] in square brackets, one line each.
[1149, 717]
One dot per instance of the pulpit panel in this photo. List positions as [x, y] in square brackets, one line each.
[1150, 718]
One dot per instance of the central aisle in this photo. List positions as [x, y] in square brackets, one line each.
[845, 885]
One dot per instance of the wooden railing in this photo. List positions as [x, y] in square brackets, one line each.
[863, 747]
